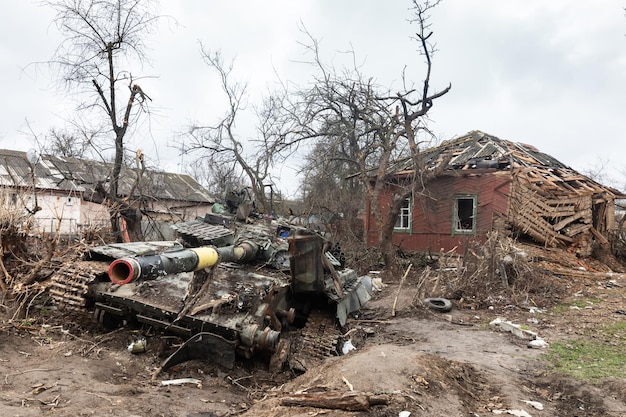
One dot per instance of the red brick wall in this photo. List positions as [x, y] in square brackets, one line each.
[432, 216]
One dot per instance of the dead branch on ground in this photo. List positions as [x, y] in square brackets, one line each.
[336, 400]
[395, 301]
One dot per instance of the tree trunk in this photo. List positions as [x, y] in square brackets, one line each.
[386, 234]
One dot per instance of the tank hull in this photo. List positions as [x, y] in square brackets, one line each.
[234, 300]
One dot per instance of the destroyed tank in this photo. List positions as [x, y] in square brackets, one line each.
[231, 287]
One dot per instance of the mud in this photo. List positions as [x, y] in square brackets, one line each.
[425, 362]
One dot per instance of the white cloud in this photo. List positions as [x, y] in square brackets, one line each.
[548, 73]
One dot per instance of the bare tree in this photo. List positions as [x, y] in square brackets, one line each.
[373, 128]
[66, 144]
[327, 192]
[101, 40]
[216, 175]
[222, 141]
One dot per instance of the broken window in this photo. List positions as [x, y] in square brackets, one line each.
[403, 222]
[464, 215]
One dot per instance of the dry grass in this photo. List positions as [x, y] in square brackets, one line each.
[27, 258]
[497, 271]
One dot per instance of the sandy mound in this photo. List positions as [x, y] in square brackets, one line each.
[411, 380]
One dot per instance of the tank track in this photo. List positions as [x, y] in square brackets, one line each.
[70, 284]
[317, 340]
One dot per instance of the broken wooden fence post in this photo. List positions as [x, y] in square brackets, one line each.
[393, 309]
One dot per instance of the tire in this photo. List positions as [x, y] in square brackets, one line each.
[442, 305]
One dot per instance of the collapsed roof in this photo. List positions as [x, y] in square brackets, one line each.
[547, 200]
[480, 151]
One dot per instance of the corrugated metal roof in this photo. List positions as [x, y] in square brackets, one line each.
[72, 174]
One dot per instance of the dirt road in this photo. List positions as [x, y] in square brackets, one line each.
[424, 362]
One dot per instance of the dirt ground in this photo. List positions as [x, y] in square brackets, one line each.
[420, 361]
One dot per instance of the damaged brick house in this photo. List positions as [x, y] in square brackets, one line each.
[60, 192]
[494, 184]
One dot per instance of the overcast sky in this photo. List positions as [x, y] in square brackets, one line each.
[548, 73]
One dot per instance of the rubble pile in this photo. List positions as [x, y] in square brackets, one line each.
[503, 271]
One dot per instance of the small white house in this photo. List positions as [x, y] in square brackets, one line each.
[61, 192]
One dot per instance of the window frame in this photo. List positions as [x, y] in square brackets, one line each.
[455, 214]
[406, 213]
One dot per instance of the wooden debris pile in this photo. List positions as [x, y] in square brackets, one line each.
[503, 271]
[557, 207]
[499, 271]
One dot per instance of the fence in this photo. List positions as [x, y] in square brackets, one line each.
[69, 228]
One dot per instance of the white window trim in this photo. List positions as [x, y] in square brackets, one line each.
[406, 213]
[456, 227]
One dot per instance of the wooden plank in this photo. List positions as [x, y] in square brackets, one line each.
[529, 187]
[571, 177]
[562, 212]
[545, 208]
[584, 274]
[529, 225]
[534, 230]
[538, 204]
[578, 229]
[599, 236]
[571, 200]
[593, 187]
[542, 230]
[575, 190]
[568, 220]
[525, 158]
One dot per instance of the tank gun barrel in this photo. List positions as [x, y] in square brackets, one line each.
[149, 267]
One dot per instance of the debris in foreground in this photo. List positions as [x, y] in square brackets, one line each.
[336, 400]
[181, 381]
